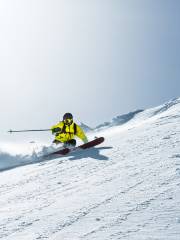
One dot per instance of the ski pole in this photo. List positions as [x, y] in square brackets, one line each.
[31, 130]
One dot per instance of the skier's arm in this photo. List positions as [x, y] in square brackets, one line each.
[80, 133]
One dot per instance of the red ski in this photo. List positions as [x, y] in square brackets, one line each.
[65, 151]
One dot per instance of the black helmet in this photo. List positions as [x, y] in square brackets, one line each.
[67, 116]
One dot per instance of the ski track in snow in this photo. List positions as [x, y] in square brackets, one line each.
[127, 188]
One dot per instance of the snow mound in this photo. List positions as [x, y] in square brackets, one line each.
[8, 161]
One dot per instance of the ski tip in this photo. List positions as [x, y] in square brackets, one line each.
[100, 139]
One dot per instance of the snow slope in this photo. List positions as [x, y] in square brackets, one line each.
[127, 188]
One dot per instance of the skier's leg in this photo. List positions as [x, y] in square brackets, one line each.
[70, 143]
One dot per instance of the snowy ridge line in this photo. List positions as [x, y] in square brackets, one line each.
[119, 120]
[138, 115]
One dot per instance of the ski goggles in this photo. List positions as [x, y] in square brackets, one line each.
[68, 121]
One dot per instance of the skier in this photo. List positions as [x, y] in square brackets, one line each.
[66, 130]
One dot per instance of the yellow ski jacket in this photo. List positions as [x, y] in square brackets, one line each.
[64, 133]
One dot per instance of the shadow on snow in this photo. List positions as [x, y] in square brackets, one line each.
[89, 153]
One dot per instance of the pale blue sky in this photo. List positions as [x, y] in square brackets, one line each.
[94, 58]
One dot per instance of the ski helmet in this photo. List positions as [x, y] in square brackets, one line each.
[67, 116]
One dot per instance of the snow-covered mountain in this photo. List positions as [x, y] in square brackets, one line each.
[119, 120]
[122, 119]
[127, 188]
[86, 128]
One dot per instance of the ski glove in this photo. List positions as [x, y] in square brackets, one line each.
[56, 130]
